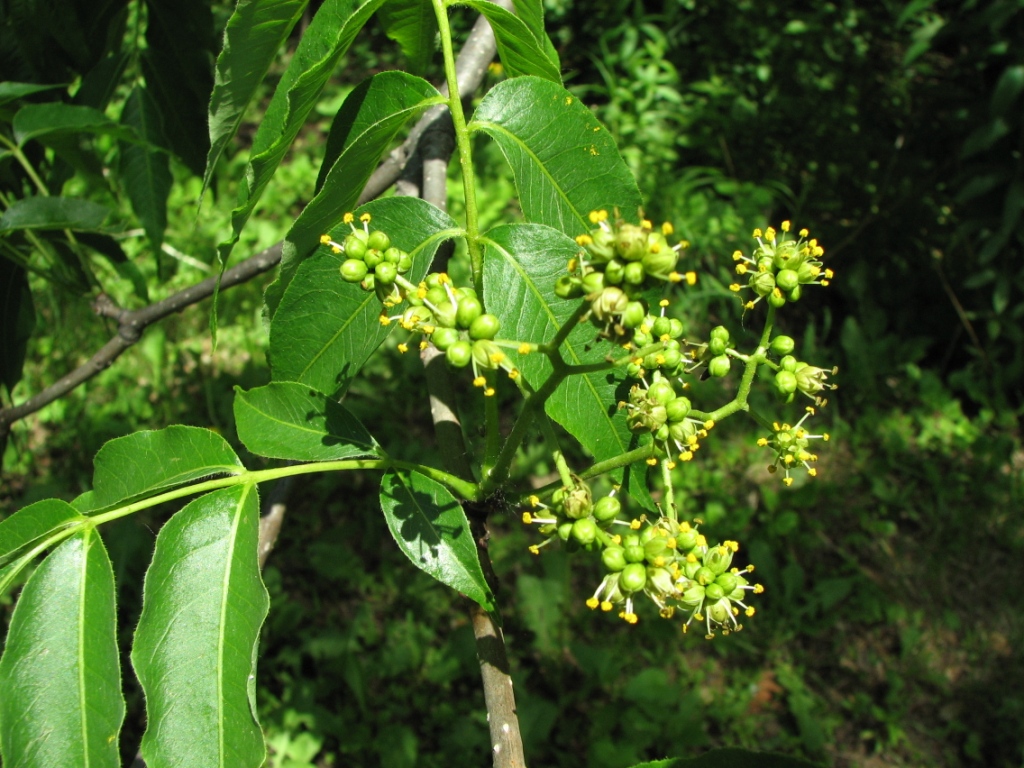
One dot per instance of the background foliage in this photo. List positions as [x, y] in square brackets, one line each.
[890, 630]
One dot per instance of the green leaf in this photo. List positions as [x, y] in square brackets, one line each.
[565, 163]
[146, 463]
[10, 573]
[325, 329]
[432, 530]
[56, 213]
[285, 420]
[30, 524]
[254, 34]
[180, 44]
[521, 264]
[17, 318]
[112, 251]
[54, 119]
[730, 757]
[362, 131]
[411, 24]
[520, 51]
[532, 14]
[11, 91]
[1009, 87]
[325, 41]
[62, 702]
[145, 171]
[195, 648]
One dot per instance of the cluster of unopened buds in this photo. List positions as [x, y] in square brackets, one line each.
[618, 263]
[791, 445]
[670, 562]
[453, 319]
[780, 266]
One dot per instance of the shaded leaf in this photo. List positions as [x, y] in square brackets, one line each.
[195, 647]
[146, 172]
[111, 249]
[521, 264]
[146, 463]
[532, 14]
[731, 757]
[285, 420]
[17, 318]
[520, 51]
[411, 24]
[53, 119]
[10, 91]
[565, 163]
[432, 530]
[254, 34]
[325, 329]
[62, 702]
[56, 213]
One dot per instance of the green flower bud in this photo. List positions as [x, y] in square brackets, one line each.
[593, 282]
[714, 592]
[353, 270]
[577, 502]
[437, 296]
[633, 315]
[443, 338]
[367, 283]
[602, 248]
[387, 293]
[661, 391]
[634, 273]
[795, 293]
[404, 263]
[565, 530]
[720, 332]
[568, 287]
[469, 309]
[662, 327]
[785, 383]
[682, 431]
[720, 612]
[607, 508]
[808, 272]
[693, 597]
[614, 272]
[660, 264]
[611, 301]
[718, 559]
[487, 354]
[788, 363]
[777, 299]
[459, 354]
[373, 258]
[614, 558]
[763, 283]
[675, 329]
[717, 347]
[631, 242]
[686, 540]
[719, 366]
[660, 581]
[678, 409]
[444, 314]
[486, 326]
[379, 241]
[394, 255]
[355, 245]
[634, 553]
[655, 547]
[385, 272]
[728, 582]
[704, 576]
[584, 530]
[633, 578]
[647, 419]
[783, 345]
[787, 279]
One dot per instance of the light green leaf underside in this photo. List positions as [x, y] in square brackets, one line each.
[565, 163]
[195, 647]
[287, 420]
[60, 675]
[432, 530]
[411, 24]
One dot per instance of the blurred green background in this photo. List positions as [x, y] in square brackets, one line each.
[890, 631]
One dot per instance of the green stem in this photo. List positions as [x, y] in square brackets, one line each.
[462, 143]
[670, 497]
[467, 490]
[492, 424]
[556, 452]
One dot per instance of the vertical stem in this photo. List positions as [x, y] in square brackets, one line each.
[463, 145]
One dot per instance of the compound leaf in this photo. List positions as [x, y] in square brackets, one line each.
[146, 172]
[521, 52]
[32, 523]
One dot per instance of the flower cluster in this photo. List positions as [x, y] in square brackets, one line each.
[453, 319]
[795, 376]
[659, 409]
[668, 561]
[780, 266]
[791, 444]
[618, 263]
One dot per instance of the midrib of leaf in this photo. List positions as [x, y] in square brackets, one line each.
[86, 544]
[221, 634]
[567, 346]
[443, 234]
[476, 125]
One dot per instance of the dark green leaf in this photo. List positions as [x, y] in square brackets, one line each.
[55, 119]
[432, 530]
[180, 44]
[254, 34]
[56, 213]
[146, 172]
[1009, 87]
[730, 757]
[195, 647]
[521, 264]
[111, 249]
[325, 41]
[325, 328]
[532, 14]
[565, 163]
[17, 318]
[30, 524]
[100, 84]
[363, 130]
[411, 24]
[60, 675]
[146, 463]
[285, 420]
[520, 51]
[10, 91]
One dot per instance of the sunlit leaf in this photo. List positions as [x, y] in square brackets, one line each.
[520, 50]
[60, 674]
[195, 647]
